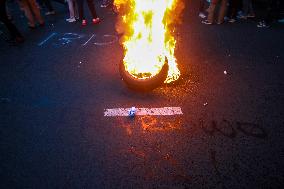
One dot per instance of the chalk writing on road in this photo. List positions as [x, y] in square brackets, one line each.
[64, 39]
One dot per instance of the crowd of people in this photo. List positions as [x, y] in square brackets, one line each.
[212, 11]
[233, 10]
[32, 11]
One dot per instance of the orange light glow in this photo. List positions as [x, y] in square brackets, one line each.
[148, 40]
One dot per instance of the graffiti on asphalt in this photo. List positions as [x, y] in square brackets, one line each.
[64, 39]
[232, 129]
[160, 156]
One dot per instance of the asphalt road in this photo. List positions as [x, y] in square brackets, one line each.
[56, 86]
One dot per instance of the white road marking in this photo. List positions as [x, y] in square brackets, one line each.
[49, 37]
[165, 111]
[112, 39]
[89, 40]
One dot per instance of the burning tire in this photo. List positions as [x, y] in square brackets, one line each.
[144, 84]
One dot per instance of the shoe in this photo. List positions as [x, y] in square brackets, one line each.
[31, 26]
[251, 16]
[50, 13]
[242, 17]
[71, 20]
[104, 5]
[96, 20]
[219, 23]
[42, 24]
[206, 22]
[232, 20]
[262, 25]
[84, 22]
[202, 15]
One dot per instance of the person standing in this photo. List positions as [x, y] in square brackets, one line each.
[92, 9]
[202, 9]
[247, 10]
[50, 10]
[30, 8]
[212, 10]
[14, 32]
[73, 10]
[233, 10]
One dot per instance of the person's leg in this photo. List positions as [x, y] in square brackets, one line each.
[265, 19]
[250, 9]
[92, 8]
[222, 11]
[71, 8]
[245, 7]
[48, 5]
[34, 7]
[234, 11]
[81, 9]
[75, 5]
[273, 12]
[230, 8]
[26, 8]
[14, 32]
[211, 11]
[202, 6]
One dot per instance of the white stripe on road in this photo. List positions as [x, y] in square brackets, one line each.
[49, 37]
[165, 111]
[89, 40]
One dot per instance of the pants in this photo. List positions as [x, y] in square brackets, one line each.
[14, 32]
[202, 6]
[48, 5]
[73, 8]
[247, 7]
[30, 7]
[233, 8]
[222, 11]
[273, 11]
[91, 8]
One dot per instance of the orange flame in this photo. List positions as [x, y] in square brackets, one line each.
[148, 40]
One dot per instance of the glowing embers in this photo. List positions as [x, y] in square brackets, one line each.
[148, 39]
[150, 124]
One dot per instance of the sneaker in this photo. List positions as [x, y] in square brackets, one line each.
[251, 16]
[262, 25]
[84, 22]
[232, 20]
[50, 13]
[242, 17]
[105, 4]
[206, 22]
[96, 20]
[71, 20]
[219, 23]
[42, 24]
[202, 15]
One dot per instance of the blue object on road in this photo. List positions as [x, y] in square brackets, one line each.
[132, 112]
